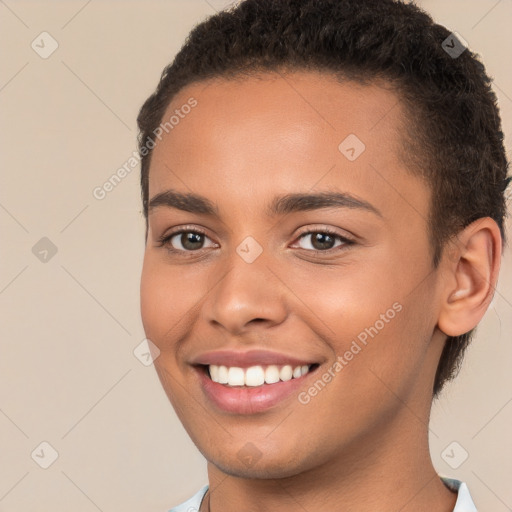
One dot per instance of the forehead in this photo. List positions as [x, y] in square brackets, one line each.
[283, 132]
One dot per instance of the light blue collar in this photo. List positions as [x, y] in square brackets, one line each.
[464, 501]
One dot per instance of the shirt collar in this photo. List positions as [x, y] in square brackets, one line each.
[464, 500]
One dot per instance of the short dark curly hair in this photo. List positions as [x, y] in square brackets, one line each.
[454, 138]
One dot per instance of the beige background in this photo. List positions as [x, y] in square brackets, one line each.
[69, 326]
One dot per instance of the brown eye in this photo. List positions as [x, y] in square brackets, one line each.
[323, 241]
[190, 240]
[185, 240]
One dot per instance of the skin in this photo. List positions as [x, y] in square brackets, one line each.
[363, 440]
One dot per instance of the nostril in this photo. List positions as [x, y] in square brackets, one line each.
[258, 320]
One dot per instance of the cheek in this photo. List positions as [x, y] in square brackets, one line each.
[165, 298]
[151, 294]
[346, 299]
[375, 316]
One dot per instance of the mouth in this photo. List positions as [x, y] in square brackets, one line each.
[253, 389]
[254, 376]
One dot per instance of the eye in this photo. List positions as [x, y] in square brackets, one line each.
[324, 240]
[188, 240]
[191, 240]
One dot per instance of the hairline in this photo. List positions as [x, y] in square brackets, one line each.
[407, 131]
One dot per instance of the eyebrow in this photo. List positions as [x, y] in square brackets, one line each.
[280, 205]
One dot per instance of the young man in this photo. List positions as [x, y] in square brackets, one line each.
[323, 183]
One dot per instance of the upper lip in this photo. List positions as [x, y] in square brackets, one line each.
[249, 358]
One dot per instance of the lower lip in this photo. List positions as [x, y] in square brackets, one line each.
[247, 399]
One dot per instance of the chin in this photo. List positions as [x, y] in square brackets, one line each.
[259, 471]
[246, 463]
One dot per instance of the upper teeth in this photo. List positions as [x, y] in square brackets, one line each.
[255, 375]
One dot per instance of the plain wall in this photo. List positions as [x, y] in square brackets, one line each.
[69, 325]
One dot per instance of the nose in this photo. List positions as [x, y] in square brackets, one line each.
[246, 296]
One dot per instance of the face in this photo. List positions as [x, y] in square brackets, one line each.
[247, 272]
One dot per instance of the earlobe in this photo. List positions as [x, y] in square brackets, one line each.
[470, 276]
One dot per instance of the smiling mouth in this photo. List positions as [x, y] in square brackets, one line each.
[258, 375]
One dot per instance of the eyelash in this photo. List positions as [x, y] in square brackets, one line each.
[164, 240]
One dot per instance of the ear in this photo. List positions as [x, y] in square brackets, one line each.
[471, 265]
